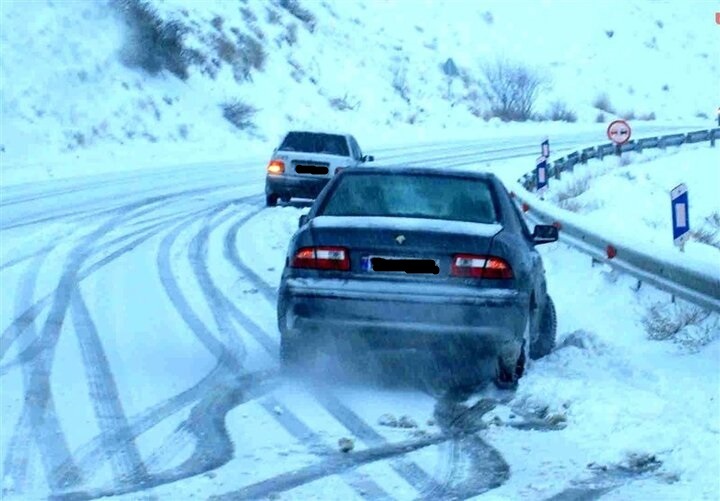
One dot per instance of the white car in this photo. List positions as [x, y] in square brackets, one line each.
[306, 161]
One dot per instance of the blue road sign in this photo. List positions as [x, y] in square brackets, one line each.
[680, 214]
[545, 148]
[541, 178]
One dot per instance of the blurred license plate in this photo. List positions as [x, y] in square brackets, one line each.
[397, 264]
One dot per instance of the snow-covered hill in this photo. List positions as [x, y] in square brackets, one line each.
[374, 68]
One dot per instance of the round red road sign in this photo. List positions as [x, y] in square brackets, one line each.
[619, 131]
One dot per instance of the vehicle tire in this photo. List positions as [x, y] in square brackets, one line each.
[547, 328]
[271, 200]
[507, 375]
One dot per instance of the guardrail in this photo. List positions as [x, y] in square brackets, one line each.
[673, 277]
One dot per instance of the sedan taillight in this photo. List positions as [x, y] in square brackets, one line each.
[276, 167]
[322, 258]
[472, 266]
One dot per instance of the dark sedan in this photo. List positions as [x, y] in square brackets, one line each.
[398, 258]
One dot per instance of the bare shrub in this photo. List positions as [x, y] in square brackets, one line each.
[297, 11]
[560, 111]
[565, 197]
[244, 55]
[252, 52]
[343, 103]
[647, 116]
[609, 33]
[602, 102]
[709, 232]
[488, 17]
[290, 36]
[400, 83]
[688, 325]
[273, 17]
[600, 118]
[153, 44]
[475, 104]
[628, 115]
[248, 15]
[701, 114]
[239, 114]
[666, 87]
[511, 89]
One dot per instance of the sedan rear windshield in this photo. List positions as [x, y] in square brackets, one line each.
[310, 142]
[412, 195]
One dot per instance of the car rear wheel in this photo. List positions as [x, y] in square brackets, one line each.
[271, 200]
[509, 372]
[289, 353]
[547, 329]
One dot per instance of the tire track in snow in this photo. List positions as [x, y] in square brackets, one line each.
[335, 465]
[28, 317]
[42, 421]
[17, 456]
[223, 369]
[38, 417]
[358, 481]
[252, 385]
[127, 464]
[408, 470]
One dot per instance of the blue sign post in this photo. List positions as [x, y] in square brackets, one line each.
[680, 215]
[541, 180]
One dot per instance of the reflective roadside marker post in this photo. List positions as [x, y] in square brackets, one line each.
[541, 180]
[680, 215]
[545, 147]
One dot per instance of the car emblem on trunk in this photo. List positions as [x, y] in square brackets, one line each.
[400, 239]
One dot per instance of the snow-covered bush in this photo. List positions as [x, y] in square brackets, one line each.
[602, 102]
[153, 44]
[304, 15]
[511, 89]
[560, 111]
[685, 324]
[239, 114]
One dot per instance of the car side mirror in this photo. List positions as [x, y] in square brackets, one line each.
[368, 158]
[545, 234]
[303, 220]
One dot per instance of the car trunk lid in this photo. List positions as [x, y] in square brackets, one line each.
[411, 247]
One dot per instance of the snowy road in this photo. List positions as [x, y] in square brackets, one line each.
[139, 354]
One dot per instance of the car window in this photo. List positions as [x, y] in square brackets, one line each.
[411, 195]
[356, 147]
[311, 142]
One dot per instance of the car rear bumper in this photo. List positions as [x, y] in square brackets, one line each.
[385, 314]
[307, 186]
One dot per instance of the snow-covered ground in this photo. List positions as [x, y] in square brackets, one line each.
[138, 341]
[140, 356]
[70, 107]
